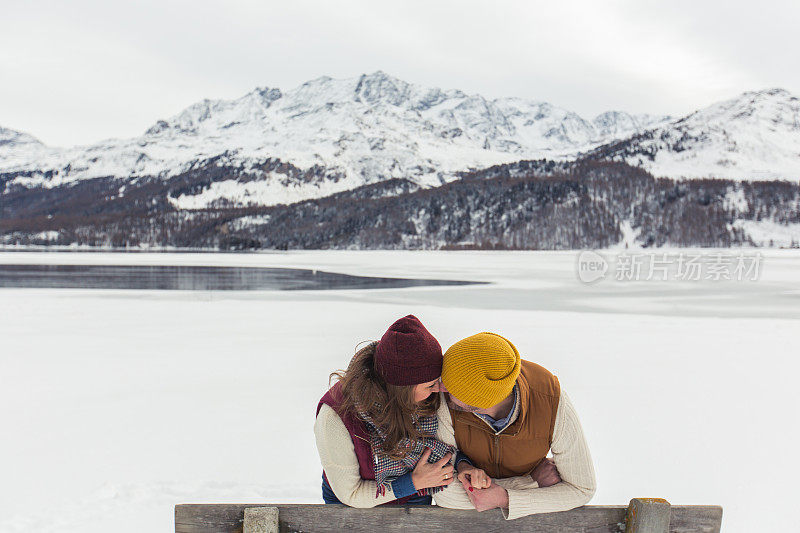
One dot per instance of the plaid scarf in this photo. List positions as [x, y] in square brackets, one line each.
[388, 469]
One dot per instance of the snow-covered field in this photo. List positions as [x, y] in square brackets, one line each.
[116, 405]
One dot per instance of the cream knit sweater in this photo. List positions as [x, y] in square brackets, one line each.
[525, 497]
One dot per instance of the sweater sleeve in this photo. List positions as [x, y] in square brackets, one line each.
[338, 457]
[574, 463]
[453, 496]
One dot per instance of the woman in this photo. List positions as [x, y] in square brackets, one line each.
[376, 427]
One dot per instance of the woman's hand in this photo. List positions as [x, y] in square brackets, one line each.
[469, 476]
[436, 474]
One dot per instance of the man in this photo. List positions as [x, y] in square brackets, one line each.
[506, 414]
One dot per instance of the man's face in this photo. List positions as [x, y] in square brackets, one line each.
[457, 404]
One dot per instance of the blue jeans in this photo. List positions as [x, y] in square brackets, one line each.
[329, 497]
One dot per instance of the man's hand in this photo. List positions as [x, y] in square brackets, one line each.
[484, 499]
[546, 473]
[472, 477]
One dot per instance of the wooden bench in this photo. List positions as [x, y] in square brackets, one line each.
[643, 515]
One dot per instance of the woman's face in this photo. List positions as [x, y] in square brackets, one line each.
[423, 390]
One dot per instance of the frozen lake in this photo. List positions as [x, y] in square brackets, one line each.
[193, 278]
[118, 404]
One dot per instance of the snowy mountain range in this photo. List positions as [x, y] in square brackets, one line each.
[753, 137]
[10, 139]
[359, 130]
[331, 135]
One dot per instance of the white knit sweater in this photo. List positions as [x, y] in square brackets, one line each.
[570, 453]
[338, 457]
[525, 497]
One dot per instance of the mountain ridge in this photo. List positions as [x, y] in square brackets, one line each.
[340, 134]
[364, 129]
[755, 136]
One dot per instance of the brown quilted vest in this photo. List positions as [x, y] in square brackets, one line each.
[523, 444]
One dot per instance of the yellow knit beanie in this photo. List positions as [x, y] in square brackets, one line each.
[481, 370]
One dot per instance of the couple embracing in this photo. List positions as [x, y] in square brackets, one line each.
[470, 429]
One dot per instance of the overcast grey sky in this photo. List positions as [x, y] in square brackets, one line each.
[77, 71]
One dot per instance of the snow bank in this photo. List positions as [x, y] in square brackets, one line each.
[119, 404]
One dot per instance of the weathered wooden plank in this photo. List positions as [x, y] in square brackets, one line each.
[695, 519]
[334, 518]
[196, 518]
[206, 518]
[399, 519]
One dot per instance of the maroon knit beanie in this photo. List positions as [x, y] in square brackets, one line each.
[407, 354]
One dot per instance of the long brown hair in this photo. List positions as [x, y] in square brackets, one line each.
[391, 407]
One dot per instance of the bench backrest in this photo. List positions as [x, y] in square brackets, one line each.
[196, 518]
